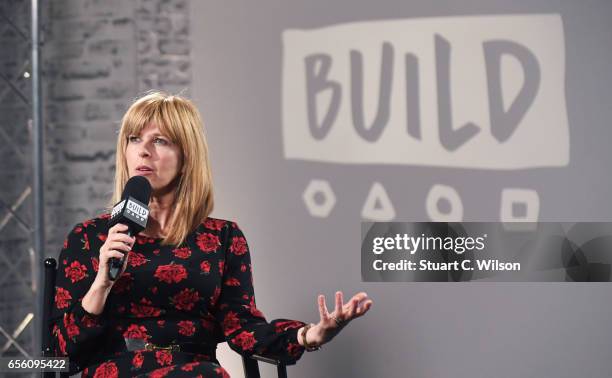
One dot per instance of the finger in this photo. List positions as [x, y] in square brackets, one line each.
[323, 308]
[359, 297]
[352, 306]
[119, 246]
[338, 309]
[120, 237]
[119, 227]
[363, 308]
[115, 254]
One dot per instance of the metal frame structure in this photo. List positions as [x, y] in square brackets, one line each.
[30, 69]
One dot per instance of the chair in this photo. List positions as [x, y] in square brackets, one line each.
[249, 364]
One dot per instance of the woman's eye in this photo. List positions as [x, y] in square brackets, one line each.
[133, 139]
[161, 141]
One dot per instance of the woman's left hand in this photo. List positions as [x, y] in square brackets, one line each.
[332, 323]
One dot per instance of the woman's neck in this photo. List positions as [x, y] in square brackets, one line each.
[160, 212]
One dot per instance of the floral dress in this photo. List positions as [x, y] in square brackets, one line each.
[200, 293]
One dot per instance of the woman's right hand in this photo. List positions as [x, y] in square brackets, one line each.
[117, 243]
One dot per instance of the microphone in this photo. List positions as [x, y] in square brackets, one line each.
[133, 211]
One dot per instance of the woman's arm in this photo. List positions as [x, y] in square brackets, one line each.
[244, 326]
[82, 288]
[93, 302]
[75, 328]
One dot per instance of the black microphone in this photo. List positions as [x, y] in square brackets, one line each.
[133, 211]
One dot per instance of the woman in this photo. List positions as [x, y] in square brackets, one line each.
[186, 284]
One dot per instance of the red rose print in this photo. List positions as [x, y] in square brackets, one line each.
[221, 266]
[160, 323]
[208, 242]
[293, 349]
[205, 267]
[207, 324]
[156, 252]
[62, 298]
[245, 340]
[160, 373]
[283, 326]
[144, 240]
[136, 259]
[85, 241]
[95, 262]
[231, 323]
[137, 360]
[144, 309]
[78, 229]
[65, 243]
[107, 370]
[76, 271]
[254, 310]
[172, 273]
[136, 331]
[154, 290]
[214, 224]
[105, 216]
[232, 282]
[89, 321]
[163, 357]
[88, 223]
[239, 246]
[189, 366]
[186, 327]
[60, 340]
[72, 330]
[185, 300]
[222, 373]
[102, 237]
[201, 357]
[123, 284]
[243, 268]
[182, 253]
[215, 296]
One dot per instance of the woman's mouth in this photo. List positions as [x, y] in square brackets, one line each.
[144, 170]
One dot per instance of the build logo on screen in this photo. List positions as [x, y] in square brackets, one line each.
[483, 92]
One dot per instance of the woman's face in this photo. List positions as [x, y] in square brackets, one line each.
[155, 157]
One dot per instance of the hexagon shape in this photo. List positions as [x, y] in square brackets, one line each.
[319, 210]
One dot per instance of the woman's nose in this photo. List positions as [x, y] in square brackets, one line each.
[144, 153]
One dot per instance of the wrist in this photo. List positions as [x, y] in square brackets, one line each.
[100, 285]
[305, 338]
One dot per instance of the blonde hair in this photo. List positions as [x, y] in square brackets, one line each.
[178, 119]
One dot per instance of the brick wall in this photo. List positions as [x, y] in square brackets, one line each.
[98, 55]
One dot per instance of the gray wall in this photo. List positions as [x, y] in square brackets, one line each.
[241, 84]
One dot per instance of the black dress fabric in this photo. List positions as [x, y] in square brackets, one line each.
[199, 292]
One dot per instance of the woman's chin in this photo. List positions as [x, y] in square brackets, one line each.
[143, 173]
